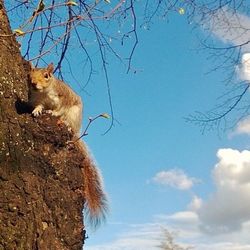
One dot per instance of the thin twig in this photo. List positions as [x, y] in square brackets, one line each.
[104, 115]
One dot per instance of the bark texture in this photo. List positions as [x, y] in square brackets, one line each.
[41, 198]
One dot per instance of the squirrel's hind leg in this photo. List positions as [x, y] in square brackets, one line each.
[74, 118]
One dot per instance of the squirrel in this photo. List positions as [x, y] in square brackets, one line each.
[48, 93]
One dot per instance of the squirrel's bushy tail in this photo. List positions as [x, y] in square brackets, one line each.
[95, 198]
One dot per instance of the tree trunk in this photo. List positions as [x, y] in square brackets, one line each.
[41, 182]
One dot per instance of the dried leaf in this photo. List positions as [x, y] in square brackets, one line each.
[19, 32]
[41, 7]
[71, 3]
[181, 11]
[105, 115]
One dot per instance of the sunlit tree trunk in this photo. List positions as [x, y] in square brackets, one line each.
[41, 184]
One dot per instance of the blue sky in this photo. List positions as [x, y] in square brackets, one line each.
[160, 171]
[153, 137]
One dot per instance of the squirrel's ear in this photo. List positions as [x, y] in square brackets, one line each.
[50, 68]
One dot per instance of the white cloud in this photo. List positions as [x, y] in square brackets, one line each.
[233, 167]
[186, 233]
[175, 178]
[245, 67]
[223, 246]
[233, 28]
[147, 236]
[184, 217]
[136, 237]
[225, 214]
[229, 206]
[195, 204]
[243, 127]
[230, 27]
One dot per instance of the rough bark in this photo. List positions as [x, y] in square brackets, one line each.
[41, 198]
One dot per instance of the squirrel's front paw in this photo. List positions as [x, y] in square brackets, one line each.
[37, 111]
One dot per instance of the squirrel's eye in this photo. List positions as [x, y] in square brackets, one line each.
[46, 75]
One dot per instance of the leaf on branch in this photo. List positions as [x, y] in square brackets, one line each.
[105, 115]
[107, 1]
[19, 32]
[181, 11]
[41, 7]
[71, 3]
